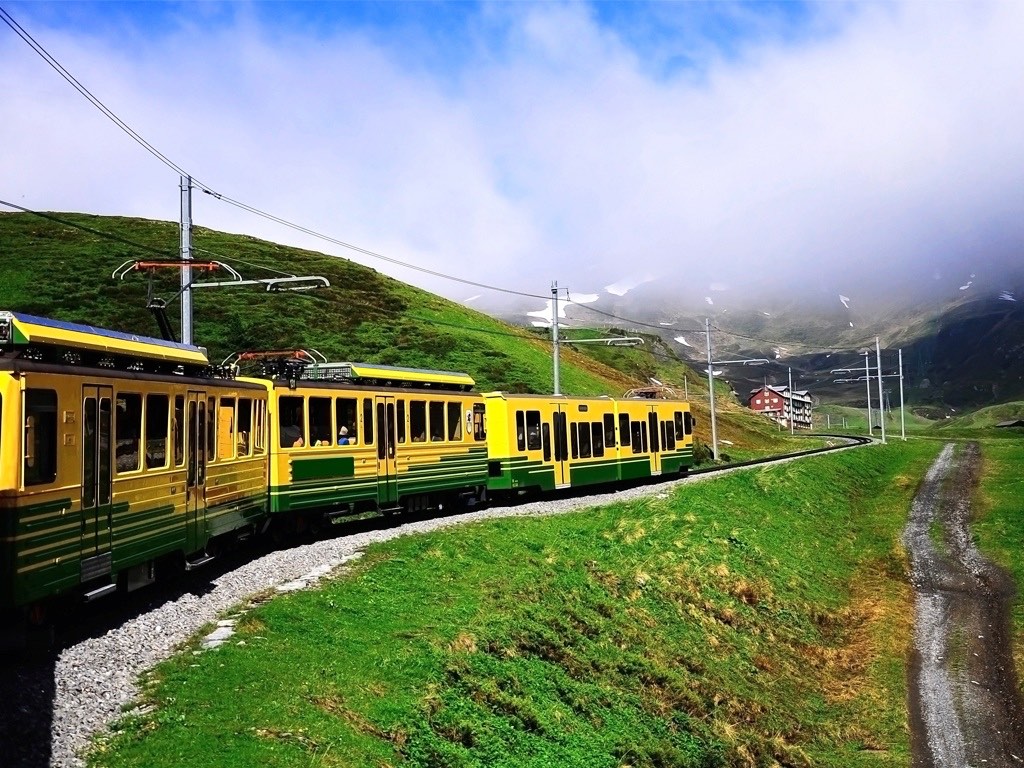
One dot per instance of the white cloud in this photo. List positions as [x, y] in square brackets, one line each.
[891, 141]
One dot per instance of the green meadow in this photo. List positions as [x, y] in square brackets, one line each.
[758, 618]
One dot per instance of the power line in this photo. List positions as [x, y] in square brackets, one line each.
[95, 101]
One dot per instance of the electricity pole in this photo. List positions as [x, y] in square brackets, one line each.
[186, 255]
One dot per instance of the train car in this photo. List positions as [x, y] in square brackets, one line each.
[545, 442]
[115, 451]
[353, 437]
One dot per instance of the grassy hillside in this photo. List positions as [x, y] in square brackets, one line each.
[722, 624]
[63, 270]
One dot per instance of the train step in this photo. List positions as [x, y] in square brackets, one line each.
[99, 592]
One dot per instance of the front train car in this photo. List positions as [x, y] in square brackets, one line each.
[115, 451]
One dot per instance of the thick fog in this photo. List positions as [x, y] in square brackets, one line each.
[724, 154]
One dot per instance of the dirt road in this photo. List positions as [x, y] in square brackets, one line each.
[964, 706]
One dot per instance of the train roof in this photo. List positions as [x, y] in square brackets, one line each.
[387, 375]
[21, 330]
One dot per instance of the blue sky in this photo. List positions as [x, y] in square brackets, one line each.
[517, 143]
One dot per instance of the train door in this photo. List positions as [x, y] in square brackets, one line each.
[387, 464]
[97, 484]
[195, 485]
[560, 454]
[653, 427]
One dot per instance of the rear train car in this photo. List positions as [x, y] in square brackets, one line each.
[549, 442]
[350, 437]
[115, 451]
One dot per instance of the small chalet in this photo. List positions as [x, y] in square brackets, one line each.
[777, 403]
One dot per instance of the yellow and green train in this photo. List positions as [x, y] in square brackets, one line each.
[117, 451]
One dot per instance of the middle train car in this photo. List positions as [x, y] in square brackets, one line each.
[547, 442]
[351, 437]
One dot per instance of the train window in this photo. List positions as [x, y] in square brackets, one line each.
[244, 443]
[533, 430]
[436, 421]
[584, 440]
[574, 441]
[609, 430]
[127, 431]
[157, 412]
[211, 428]
[677, 421]
[479, 422]
[455, 421]
[546, 439]
[226, 427]
[345, 416]
[40, 436]
[321, 430]
[292, 420]
[418, 420]
[688, 422]
[179, 430]
[597, 438]
[367, 421]
[401, 420]
[521, 430]
[643, 436]
[624, 429]
[638, 438]
[259, 429]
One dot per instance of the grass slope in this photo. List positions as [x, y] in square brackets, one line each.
[63, 271]
[755, 619]
[999, 525]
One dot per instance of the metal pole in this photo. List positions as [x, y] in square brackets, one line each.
[867, 382]
[903, 424]
[686, 388]
[791, 400]
[828, 421]
[186, 255]
[554, 330]
[881, 413]
[711, 392]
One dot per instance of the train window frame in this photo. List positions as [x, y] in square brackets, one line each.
[243, 428]
[688, 422]
[637, 437]
[479, 422]
[574, 440]
[127, 432]
[418, 421]
[680, 427]
[153, 421]
[521, 430]
[320, 412]
[211, 429]
[597, 439]
[400, 419]
[346, 414]
[40, 437]
[259, 430]
[368, 421]
[533, 441]
[625, 436]
[227, 419]
[585, 449]
[455, 422]
[435, 421]
[545, 436]
[179, 431]
[288, 420]
[609, 430]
